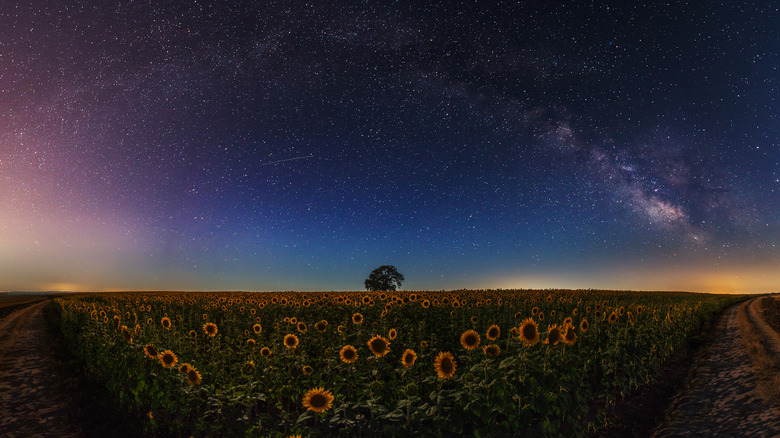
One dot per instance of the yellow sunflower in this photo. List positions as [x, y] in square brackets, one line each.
[184, 368]
[193, 376]
[529, 332]
[151, 351]
[318, 400]
[491, 350]
[250, 342]
[321, 326]
[341, 329]
[166, 323]
[569, 337]
[379, 345]
[348, 354]
[392, 334]
[445, 365]
[210, 329]
[470, 339]
[257, 328]
[168, 359]
[584, 326]
[265, 352]
[357, 318]
[249, 368]
[408, 358]
[307, 370]
[302, 327]
[493, 332]
[290, 341]
[554, 335]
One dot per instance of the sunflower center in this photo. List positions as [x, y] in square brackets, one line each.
[318, 401]
[446, 365]
[529, 331]
[471, 340]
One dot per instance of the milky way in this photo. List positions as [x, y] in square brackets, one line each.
[288, 145]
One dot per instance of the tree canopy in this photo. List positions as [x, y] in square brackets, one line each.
[385, 277]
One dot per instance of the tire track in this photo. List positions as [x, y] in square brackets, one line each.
[721, 398]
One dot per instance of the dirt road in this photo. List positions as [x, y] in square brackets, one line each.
[33, 401]
[721, 396]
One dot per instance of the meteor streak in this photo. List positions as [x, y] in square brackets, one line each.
[287, 159]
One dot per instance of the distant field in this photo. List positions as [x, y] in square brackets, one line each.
[473, 362]
[10, 303]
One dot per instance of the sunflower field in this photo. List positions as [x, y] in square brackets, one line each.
[468, 362]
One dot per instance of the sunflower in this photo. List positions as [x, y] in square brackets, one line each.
[567, 321]
[250, 342]
[210, 329]
[379, 345]
[193, 376]
[534, 311]
[166, 323]
[150, 321]
[554, 335]
[613, 317]
[445, 365]
[265, 352]
[584, 325]
[151, 351]
[257, 328]
[493, 332]
[392, 334]
[321, 326]
[491, 350]
[290, 341]
[184, 368]
[357, 318]
[193, 334]
[307, 370]
[426, 304]
[318, 400]
[168, 359]
[469, 339]
[127, 334]
[348, 354]
[408, 358]
[569, 336]
[529, 332]
[474, 319]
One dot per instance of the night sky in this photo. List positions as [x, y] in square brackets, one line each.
[286, 145]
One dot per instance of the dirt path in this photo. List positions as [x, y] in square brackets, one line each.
[32, 396]
[721, 398]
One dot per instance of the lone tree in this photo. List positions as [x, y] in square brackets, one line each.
[384, 278]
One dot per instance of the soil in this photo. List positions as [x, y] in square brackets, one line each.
[33, 396]
[720, 398]
[43, 392]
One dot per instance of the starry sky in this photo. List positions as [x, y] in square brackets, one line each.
[292, 145]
